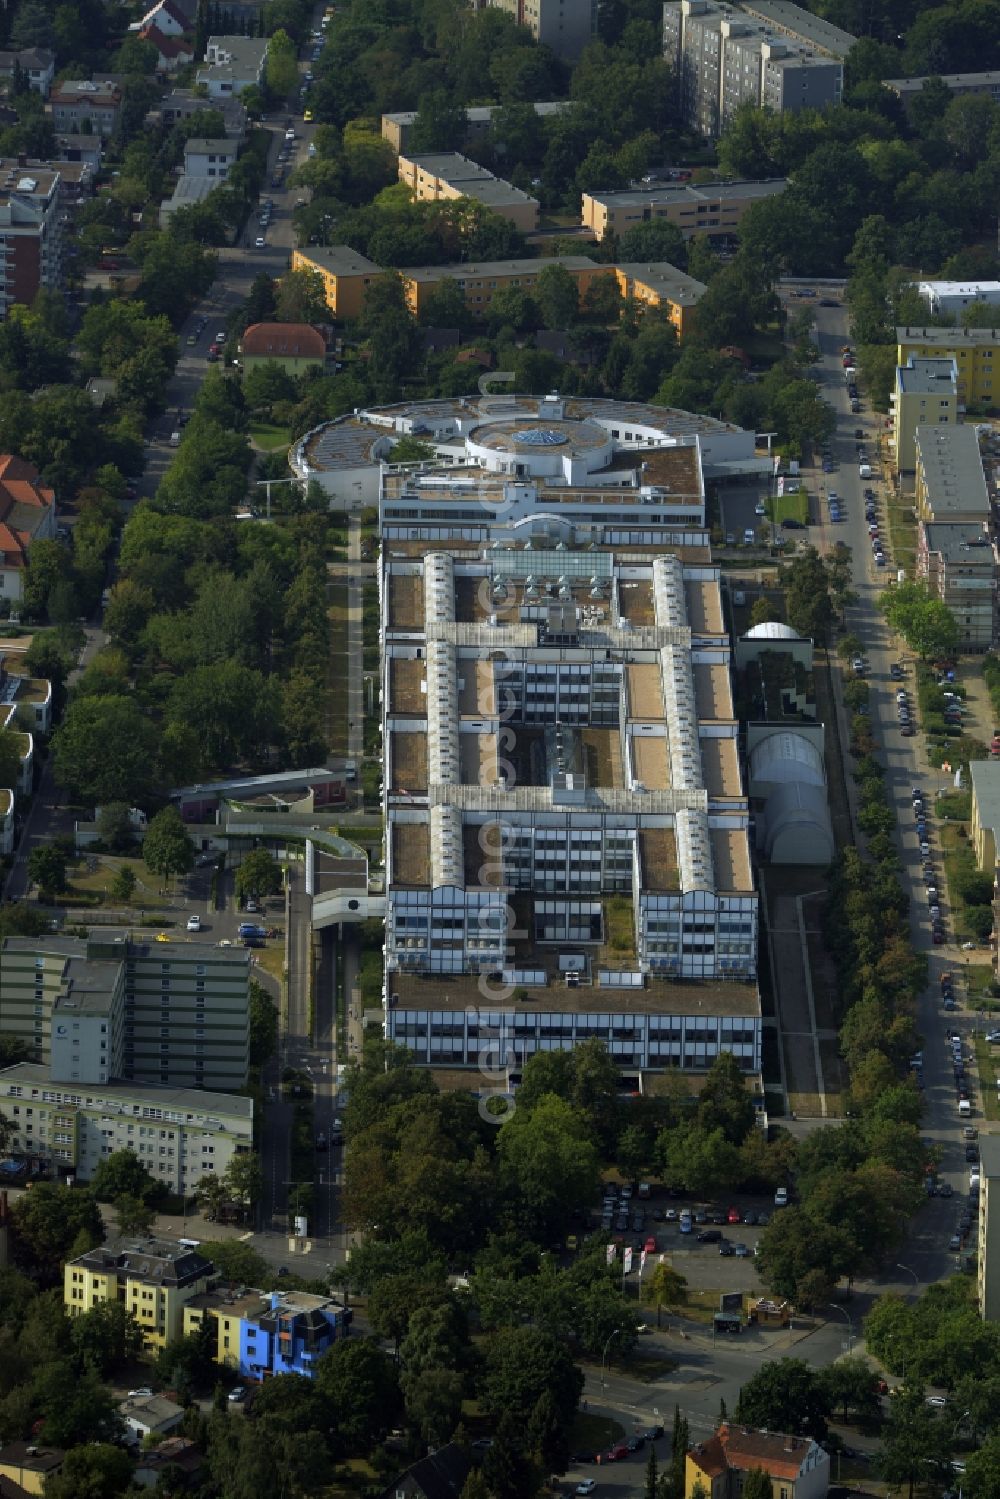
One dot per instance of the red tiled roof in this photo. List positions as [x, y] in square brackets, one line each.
[167, 46]
[283, 341]
[23, 505]
[741, 1448]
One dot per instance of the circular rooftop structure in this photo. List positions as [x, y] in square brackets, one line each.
[541, 437]
[568, 448]
[772, 630]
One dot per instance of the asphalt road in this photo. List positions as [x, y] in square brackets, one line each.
[926, 1253]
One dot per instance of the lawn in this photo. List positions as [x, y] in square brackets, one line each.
[794, 506]
[336, 697]
[902, 532]
[989, 1070]
[268, 437]
[272, 959]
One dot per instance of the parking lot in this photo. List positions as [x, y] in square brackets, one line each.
[723, 1259]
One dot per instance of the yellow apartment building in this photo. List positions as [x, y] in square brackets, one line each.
[480, 282]
[925, 394]
[715, 208]
[346, 274]
[976, 352]
[152, 1278]
[447, 176]
[661, 285]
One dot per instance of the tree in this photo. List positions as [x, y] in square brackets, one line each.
[926, 624]
[114, 827]
[765, 611]
[651, 1487]
[508, 1472]
[664, 1286]
[301, 298]
[656, 239]
[244, 1178]
[360, 1382]
[97, 1470]
[548, 1163]
[122, 1174]
[124, 883]
[556, 296]
[51, 1221]
[263, 1024]
[47, 868]
[105, 750]
[756, 1485]
[785, 1395]
[75, 1406]
[106, 1338]
[523, 1364]
[914, 1439]
[440, 124]
[167, 849]
[282, 71]
[851, 1384]
[259, 875]
[135, 1217]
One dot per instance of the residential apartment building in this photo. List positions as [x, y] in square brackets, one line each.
[447, 176]
[179, 1134]
[157, 1012]
[988, 1261]
[567, 832]
[950, 483]
[798, 1467]
[664, 287]
[232, 64]
[346, 274]
[152, 1278]
[959, 564]
[36, 64]
[213, 159]
[565, 26]
[83, 106]
[27, 515]
[724, 58]
[800, 25]
[398, 127]
[959, 84]
[32, 232]
[293, 347]
[262, 1334]
[951, 298]
[181, 103]
[976, 352]
[714, 209]
[925, 393]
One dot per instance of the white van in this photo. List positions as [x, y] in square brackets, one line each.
[686, 1221]
[965, 1108]
[175, 439]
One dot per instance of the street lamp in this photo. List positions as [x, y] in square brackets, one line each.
[604, 1355]
[833, 1307]
[916, 1279]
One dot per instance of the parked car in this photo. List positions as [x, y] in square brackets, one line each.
[781, 1197]
[710, 1236]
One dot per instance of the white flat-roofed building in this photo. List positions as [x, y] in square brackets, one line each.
[179, 1134]
[950, 298]
[567, 845]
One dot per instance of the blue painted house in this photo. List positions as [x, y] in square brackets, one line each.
[263, 1333]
